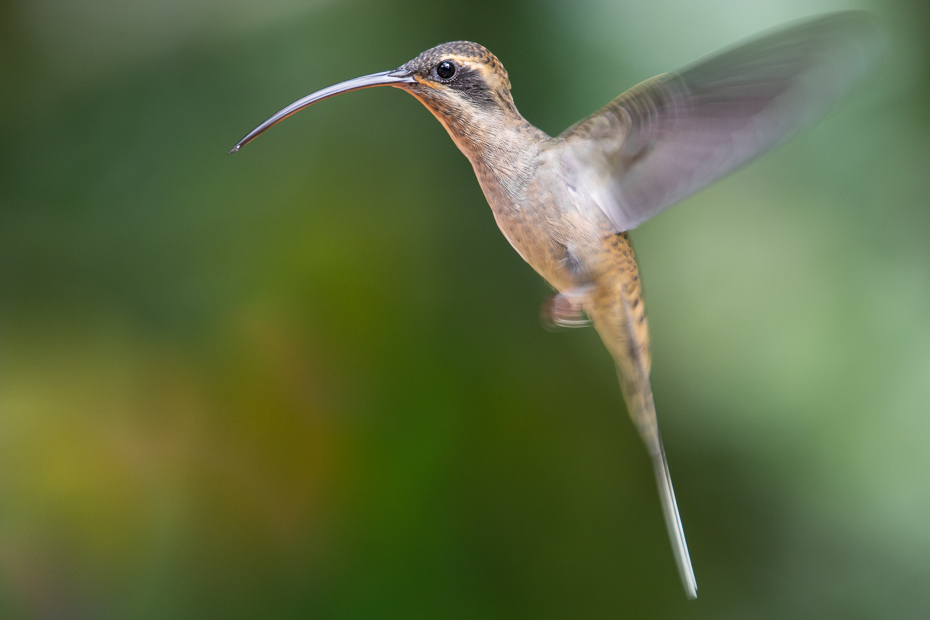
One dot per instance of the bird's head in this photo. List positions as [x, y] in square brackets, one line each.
[459, 75]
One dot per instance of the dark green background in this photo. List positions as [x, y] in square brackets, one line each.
[309, 380]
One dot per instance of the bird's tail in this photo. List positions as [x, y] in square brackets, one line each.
[638, 396]
[616, 309]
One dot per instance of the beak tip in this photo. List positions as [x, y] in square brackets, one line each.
[234, 149]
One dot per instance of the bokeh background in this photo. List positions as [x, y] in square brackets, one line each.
[309, 380]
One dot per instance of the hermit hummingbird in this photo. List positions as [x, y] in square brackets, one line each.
[566, 203]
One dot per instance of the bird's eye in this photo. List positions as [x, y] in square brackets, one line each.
[445, 69]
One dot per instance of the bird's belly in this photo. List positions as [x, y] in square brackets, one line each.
[555, 228]
[559, 248]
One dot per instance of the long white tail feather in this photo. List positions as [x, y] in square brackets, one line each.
[676, 532]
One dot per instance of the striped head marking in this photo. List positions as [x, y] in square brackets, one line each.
[460, 74]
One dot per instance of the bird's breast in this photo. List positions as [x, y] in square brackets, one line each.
[548, 221]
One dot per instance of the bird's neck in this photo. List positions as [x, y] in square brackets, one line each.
[501, 145]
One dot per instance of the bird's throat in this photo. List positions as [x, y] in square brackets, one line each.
[495, 136]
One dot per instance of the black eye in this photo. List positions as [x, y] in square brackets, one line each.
[445, 69]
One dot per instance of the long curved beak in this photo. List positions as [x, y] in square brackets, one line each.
[385, 78]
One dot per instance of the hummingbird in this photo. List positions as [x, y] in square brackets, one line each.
[567, 203]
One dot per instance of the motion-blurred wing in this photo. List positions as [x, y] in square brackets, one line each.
[673, 135]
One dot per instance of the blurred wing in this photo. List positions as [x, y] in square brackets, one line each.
[673, 135]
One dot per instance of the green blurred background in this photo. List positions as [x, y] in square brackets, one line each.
[309, 380]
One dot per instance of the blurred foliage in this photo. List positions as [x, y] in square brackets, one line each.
[309, 380]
